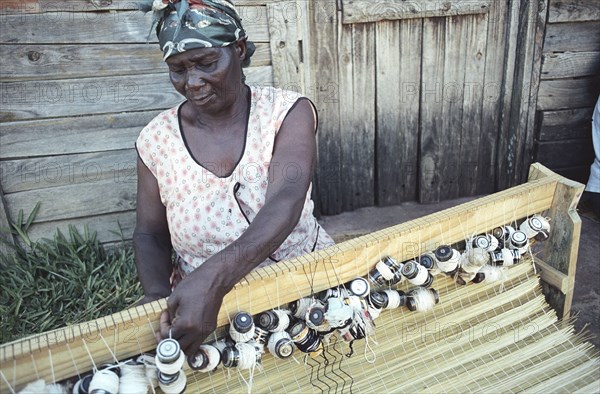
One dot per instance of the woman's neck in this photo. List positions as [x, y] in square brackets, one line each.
[216, 120]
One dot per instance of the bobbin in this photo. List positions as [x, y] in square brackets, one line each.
[447, 259]
[268, 320]
[206, 358]
[486, 242]
[519, 241]
[232, 355]
[427, 261]
[488, 274]
[479, 277]
[464, 277]
[242, 327]
[82, 386]
[335, 292]
[172, 384]
[506, 257]
[315, 316]
[280, 344]
[411, 302]
[531, 226]
[417, 274]
[503, 233]
[299, 307]
[167, 351]
[105, 381]
[353, 331]
[384, 271]
[306, 339]
[359, 287]
[378, 299]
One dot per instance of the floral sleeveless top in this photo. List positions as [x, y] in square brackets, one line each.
[205, 212]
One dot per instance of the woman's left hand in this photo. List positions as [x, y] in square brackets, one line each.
[192, 311]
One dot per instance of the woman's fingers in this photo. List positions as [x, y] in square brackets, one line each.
[165, 326]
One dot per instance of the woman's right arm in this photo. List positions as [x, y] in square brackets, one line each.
[151, 238]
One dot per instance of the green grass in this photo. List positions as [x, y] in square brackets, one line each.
[69, 279]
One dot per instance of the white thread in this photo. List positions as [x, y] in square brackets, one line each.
[213, 355]
[175, 387]
[494, 243]
[152, 375]
[37, 387]
[368, 347]
[522, 250]
[284, 320]
[220, 345]
[423, 298]
[106, 380]
[355, 302]
[545, 222]
[507, 257]
[374, 312]
[451, 264]
[172, 368]
[302, 306]
[421, 277]
[338, 312]
[398, 277]
[384, 270]
[55, 388]
[337, 292]
[527, 228]
[467, 276]
[133, 378]
[493, 273]
[248, 355]
[275, 338]
[508, 230]
[472, 260]
[393, 299]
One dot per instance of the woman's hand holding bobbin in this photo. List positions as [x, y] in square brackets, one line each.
[192, 310]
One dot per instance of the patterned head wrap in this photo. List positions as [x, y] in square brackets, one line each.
[189, 24]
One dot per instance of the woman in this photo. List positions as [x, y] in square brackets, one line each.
[224, 178]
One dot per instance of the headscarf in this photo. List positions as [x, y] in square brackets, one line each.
[189, 24]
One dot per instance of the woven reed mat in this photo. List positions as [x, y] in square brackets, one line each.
[479, 338]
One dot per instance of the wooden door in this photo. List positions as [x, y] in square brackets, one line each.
[431, 99]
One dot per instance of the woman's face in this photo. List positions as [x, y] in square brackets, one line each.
[210, 78]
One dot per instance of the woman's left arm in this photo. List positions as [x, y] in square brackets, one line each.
[193, 306]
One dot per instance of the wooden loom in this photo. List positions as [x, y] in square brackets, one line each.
[486, 337]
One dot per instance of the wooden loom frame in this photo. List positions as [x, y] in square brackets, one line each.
[53, 354]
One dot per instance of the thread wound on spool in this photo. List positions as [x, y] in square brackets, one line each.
[241, 328]
[170, 368]
[172, 384]
[422, 299]
[133, 378]
[416, 274]
[105, 380]
[206, 359]
[360, 287]
[447, 259]
[280, 344]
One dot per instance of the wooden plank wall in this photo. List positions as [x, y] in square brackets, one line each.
[78, 82]
[433, 100]
[569, 88]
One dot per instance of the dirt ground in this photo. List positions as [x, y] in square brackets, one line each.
[586, 299]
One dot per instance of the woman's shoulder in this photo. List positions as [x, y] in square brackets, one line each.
[164, 121]
[274, 97]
